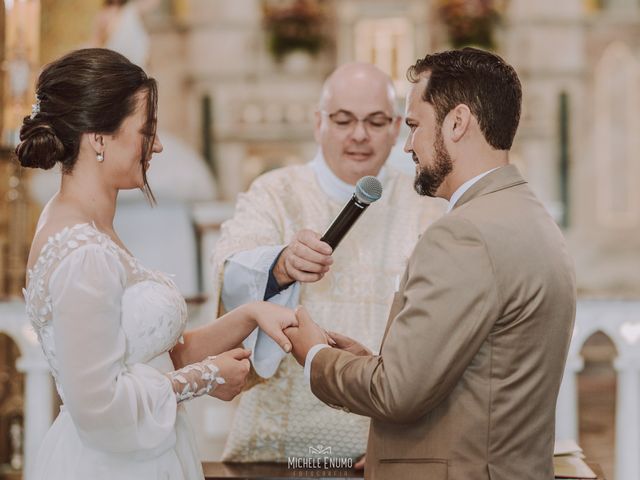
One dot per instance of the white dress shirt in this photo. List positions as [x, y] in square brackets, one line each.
[462, 189]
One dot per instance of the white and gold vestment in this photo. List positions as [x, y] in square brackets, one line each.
[280, 418]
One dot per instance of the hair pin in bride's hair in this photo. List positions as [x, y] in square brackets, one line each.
[35, 108]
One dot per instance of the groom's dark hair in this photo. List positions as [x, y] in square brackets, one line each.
[482, 81]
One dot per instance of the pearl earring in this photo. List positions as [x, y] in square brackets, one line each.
[100, 157]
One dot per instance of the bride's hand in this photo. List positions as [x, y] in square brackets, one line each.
[233, 367]
[273, 319]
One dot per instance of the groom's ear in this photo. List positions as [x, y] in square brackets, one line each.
[459, 120]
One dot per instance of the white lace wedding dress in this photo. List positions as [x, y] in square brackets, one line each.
[106, 325]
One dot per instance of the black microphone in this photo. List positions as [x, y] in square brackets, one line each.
[368, 190]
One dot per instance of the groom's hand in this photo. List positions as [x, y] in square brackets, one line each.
[349, 344]
[305, 335]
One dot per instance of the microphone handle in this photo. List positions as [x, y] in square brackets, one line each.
[343, 222]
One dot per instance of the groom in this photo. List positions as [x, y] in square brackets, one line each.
[466, 381]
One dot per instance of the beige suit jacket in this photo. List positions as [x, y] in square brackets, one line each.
[466, 382]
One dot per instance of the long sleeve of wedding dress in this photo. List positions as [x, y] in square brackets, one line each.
[116, 407]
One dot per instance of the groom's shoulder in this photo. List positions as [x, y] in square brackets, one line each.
[449, 232]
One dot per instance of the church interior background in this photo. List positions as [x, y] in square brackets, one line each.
[239, 82]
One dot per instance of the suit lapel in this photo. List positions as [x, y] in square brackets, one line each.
[504, 177]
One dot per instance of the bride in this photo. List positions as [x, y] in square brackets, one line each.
[111, 329]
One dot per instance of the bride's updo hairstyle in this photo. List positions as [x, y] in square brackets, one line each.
[86, 91]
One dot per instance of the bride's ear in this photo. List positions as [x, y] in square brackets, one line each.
[96, 140]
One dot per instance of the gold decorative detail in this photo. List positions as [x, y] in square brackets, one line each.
[11, 404]
[17, 223]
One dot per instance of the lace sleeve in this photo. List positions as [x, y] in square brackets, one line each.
[195, 380]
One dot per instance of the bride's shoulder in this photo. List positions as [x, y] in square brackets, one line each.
[56, 239]
[50, 224]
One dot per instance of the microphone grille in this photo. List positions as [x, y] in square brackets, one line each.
[368, 189]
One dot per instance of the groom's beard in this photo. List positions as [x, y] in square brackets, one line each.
[428, 179]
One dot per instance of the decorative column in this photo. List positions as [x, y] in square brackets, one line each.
[628, 416]
[208, 218]
[567, 405]
[38, 408]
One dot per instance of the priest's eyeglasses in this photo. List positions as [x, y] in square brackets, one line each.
[346, 121]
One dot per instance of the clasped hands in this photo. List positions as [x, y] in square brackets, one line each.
[297, 333]
[307, 259]
[307, 334]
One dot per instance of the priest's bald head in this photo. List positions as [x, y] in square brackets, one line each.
[356, 124]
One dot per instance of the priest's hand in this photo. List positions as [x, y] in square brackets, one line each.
[305, 335]
[305, 259]
[349, 344]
